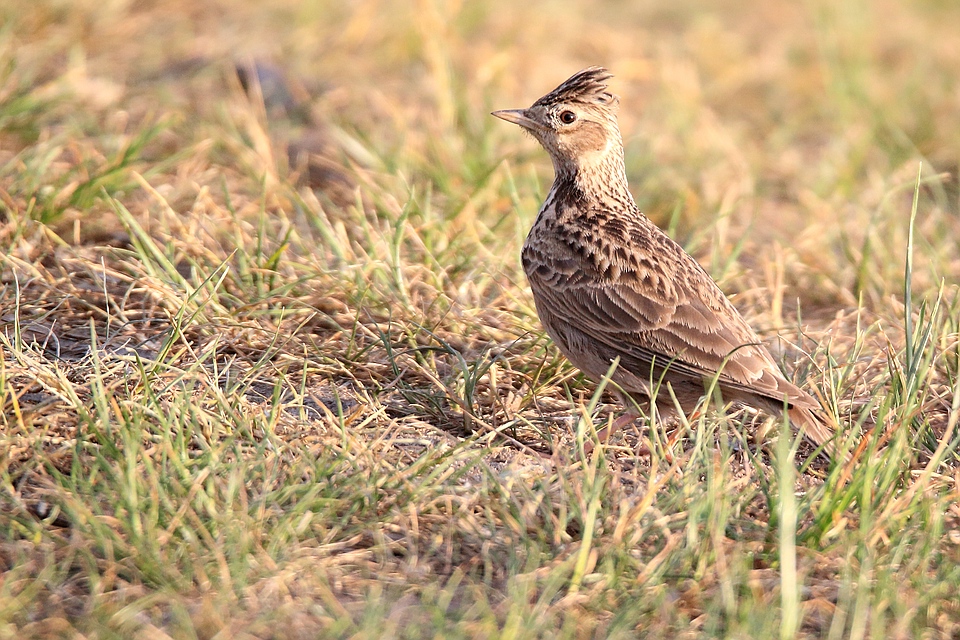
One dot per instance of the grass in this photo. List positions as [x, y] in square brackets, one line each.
[250, 394]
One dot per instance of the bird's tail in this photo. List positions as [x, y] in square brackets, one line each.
[817, 428]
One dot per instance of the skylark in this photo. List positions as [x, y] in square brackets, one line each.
[609, 284]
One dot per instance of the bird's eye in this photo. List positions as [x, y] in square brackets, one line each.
[567, 117]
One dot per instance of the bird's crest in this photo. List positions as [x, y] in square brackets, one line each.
[588, 86]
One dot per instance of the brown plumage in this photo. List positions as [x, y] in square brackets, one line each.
[609, 284]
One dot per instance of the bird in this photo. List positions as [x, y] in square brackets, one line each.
[616, 293]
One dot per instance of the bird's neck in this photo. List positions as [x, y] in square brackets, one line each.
[596, 180]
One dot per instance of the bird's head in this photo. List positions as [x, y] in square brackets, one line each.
[576, 122]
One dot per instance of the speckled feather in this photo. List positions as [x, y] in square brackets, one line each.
[608, 283]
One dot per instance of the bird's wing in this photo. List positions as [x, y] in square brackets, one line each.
[653, 305]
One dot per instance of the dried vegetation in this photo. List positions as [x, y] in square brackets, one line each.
[269, 367]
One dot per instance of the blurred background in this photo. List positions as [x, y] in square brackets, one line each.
[802, 123]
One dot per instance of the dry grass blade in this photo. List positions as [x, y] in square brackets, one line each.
[269, 367]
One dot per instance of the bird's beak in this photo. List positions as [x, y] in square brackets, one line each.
[517, 116]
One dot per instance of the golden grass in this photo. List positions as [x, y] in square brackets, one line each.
[269, 367]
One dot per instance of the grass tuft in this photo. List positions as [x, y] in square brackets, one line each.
[269, 367]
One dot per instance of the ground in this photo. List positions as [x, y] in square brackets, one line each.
[269, 367]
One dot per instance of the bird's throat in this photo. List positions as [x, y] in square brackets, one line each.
[601, 178]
